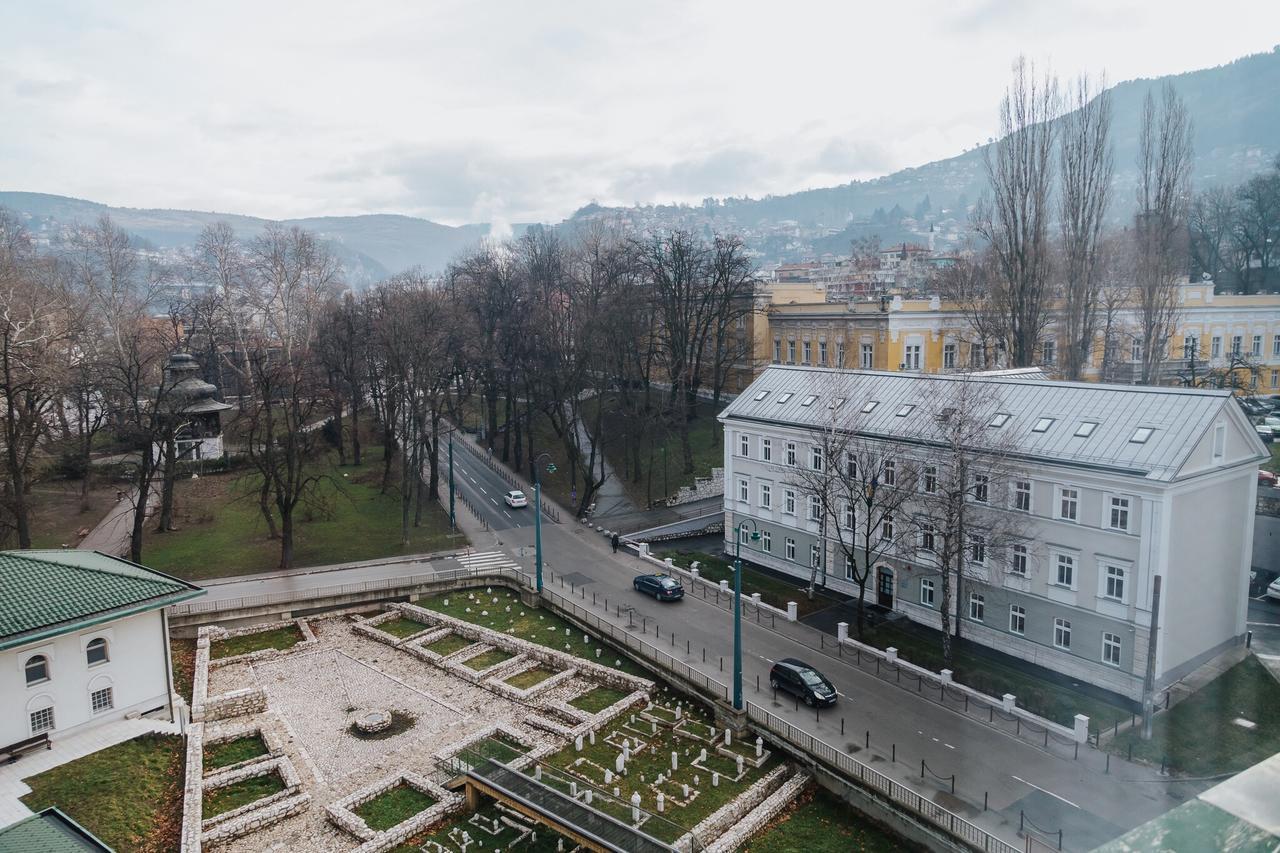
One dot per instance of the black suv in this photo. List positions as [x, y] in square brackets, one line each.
[805, 682]
[661, 587]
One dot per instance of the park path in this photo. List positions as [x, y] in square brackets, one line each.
[111, 535]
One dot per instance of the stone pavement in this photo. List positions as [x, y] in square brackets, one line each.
[66, 748]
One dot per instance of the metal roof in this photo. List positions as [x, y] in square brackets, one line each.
[1177, 417]
[50, 831]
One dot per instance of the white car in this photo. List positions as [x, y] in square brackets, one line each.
[1273, 591]
[515, 499]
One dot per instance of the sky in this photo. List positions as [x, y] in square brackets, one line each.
[524, 111]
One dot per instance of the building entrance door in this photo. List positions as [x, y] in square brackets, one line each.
[884, 588]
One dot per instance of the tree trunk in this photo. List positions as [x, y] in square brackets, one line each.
[286, 537]
[140, 507]
[355, 424]
[406, 493]
[264, 504]
[170, 476]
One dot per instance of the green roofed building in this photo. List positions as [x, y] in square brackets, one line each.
[84, 639]
[50, 831]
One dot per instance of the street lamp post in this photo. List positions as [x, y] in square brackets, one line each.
[453, 518]
[537, 516]
[737, 608]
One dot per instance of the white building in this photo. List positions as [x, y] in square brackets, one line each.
[1112, 486]
[84, 639]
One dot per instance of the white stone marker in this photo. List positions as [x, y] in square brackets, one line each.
[577, 743]
[588, 796]
[537, 772]
[739, 765]
[591, 737]
[619, 763]
[684, 791]
[728, 737]
[702, 756]
[679, 713]
[653, 728]
[715, 780]
[661, 802]
[675, 761]
[759, 747]
[635, 807]
[608, 776]
[616, 791]
[573, 789]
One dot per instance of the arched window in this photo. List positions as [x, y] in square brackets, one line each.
[37, 669]
[96, 651]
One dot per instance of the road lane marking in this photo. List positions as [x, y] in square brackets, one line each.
[1265, 624]
[507, 514]
[1044, 790]
[495, 503]
[472, 479]
[948, 746]
[483, 489]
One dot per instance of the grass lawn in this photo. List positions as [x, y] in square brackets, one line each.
[498, 747]
[658, 477]
[774, 591]
[537, 626]
[129, 795]
[448, 644]
[237, 794]
[278, 638]
[233, 752]
[393, 807]
[58, 513]
[595, 701]
[448, 834]
[1273, 464]
[1198, 735]
[1047, 698]
[484, 660]
[222, 531]
[402, 627]
[529, 677]
[182, 653]
[818, 822]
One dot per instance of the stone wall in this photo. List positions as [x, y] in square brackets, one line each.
[235, 703]
[718, 822]
[260, 813]
[215, 633]
[193, 790]
[342, 813]
[760, 816]
[703, 487]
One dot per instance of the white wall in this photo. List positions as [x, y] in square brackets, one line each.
[138, 672]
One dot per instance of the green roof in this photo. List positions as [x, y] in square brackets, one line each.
[45, 593]
[50, 831]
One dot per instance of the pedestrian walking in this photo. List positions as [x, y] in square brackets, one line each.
[614, 540]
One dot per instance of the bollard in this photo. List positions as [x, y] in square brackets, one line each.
[868, 739]
[842, 727]
[894, 754]
[815, 714]
[704, 654]
[757, 682]
[984, 800]
[1131, 752]
[1108, 770]
[688, 647]
[722, 663]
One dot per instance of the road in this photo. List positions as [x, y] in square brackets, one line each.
[484, 488]
[1264, 622]
[1088, 803]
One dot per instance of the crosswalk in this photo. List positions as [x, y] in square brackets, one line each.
[487, 561]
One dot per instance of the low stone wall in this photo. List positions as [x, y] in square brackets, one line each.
[499, 685]
[342, 813]
[193, 791]
[217, 734]
[718, 822]
[215, 633]
[235, 703]
[258, 818]
[260, 813]
[760, 816]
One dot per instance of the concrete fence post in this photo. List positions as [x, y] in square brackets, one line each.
[792, 611]
[1082, 728]
[1008, 702]
[842, 631]
[891, 654]
[755, 599]
[945, 675]
[724, 587]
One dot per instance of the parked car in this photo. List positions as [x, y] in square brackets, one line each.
[515, 498]
[1266, 478]
[803, 681]
[1265, 433]
[1273, 591]
[660, 586]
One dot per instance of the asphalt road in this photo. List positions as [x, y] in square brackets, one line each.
[484, 488]
[1264, 622]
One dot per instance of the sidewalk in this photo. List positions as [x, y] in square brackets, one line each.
[111, 534]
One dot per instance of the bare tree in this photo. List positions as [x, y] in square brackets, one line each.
[1257, 231]
[1212, 218]
[1164, 178]
[1086, 165]
[1015, 220]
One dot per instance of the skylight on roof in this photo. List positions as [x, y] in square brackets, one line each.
[1141, 434]
[905, 410]
[808, 401]
[761, 396]
[1085, 429]
[999, 419]
[1043, 425]
[785, 397]
[869, 407]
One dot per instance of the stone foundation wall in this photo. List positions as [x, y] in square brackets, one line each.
[215, 633]
[499, 684]
[193, 790]
[718, 822]
[236, 703]
[760, 816]
[342, 813]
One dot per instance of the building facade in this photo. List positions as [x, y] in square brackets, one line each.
[1105, 488]
[83, 640]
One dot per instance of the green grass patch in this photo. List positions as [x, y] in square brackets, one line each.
[535, 625]
[233, 751]
[182, 654]
[448, 833]
[774, 591]
[242, 793]
[129, 795]
[448, 644]
[394, 807]
[595, 701]
[285, 637]
[402, 627]
[59, 513]
[818, 822]
[1044, 697]
[484, 660]
[222, 532]
[1198, 736]
[529, 677]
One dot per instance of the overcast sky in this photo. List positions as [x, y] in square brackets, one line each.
[520, 111]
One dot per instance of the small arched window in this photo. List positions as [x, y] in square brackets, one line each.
[37, 669]
[96, 651]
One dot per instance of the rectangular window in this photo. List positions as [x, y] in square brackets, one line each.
[1190, 346]
[948, 356]
[1111, 649]
[926, 593]
[815, 557]
[1256, 350]
[1022, 495]
[1042, 425]
[809, 401]
[927, 538]
[1275, 379]
[1135, 350]
[848, 567]
[904, 410]
[766, 541]
[870, 406]
[1062, 633]
[1219, 442]
[42, 721]
[978, 550]
[760, 396]
[1141, 435]
[744, 490]
[1237, 341]
[1115, 583]
[1050, 350]
[808, 352]
[1215, 347]
[848, 516]
[929, 480]
[1066, 571]
[1119, 513]
[791, 453]
[101, 700]
[766, 496]
[999, 419]
[791, 352]
[815, 508]
[886, 528]
[981, 487]
[890, 472]
[868, 356]
[1085, 429]
[791, 549]
[1018, 560]
[840, 354]
[815, 458]
[744, 445]
[977, 606]
[1017, 619]
[785, 397]
[850, 465]
[766, 449]
[912, 357]
[777, 350]
[789, 501]
[822, 353]
[1275, 345]
[1069, 504]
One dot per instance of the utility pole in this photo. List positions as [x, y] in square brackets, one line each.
[453, 518]
[1149, 682]
[537, 515]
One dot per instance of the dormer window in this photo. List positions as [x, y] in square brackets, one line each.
[1140, 435]
[905, 410]
[809, 401]
[1043, 425]
[999, 419]
[870, 407]
[1085, 429]
[784, 398]
[760, 396]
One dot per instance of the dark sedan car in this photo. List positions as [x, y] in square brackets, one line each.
[661, 587]
[803, 681]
